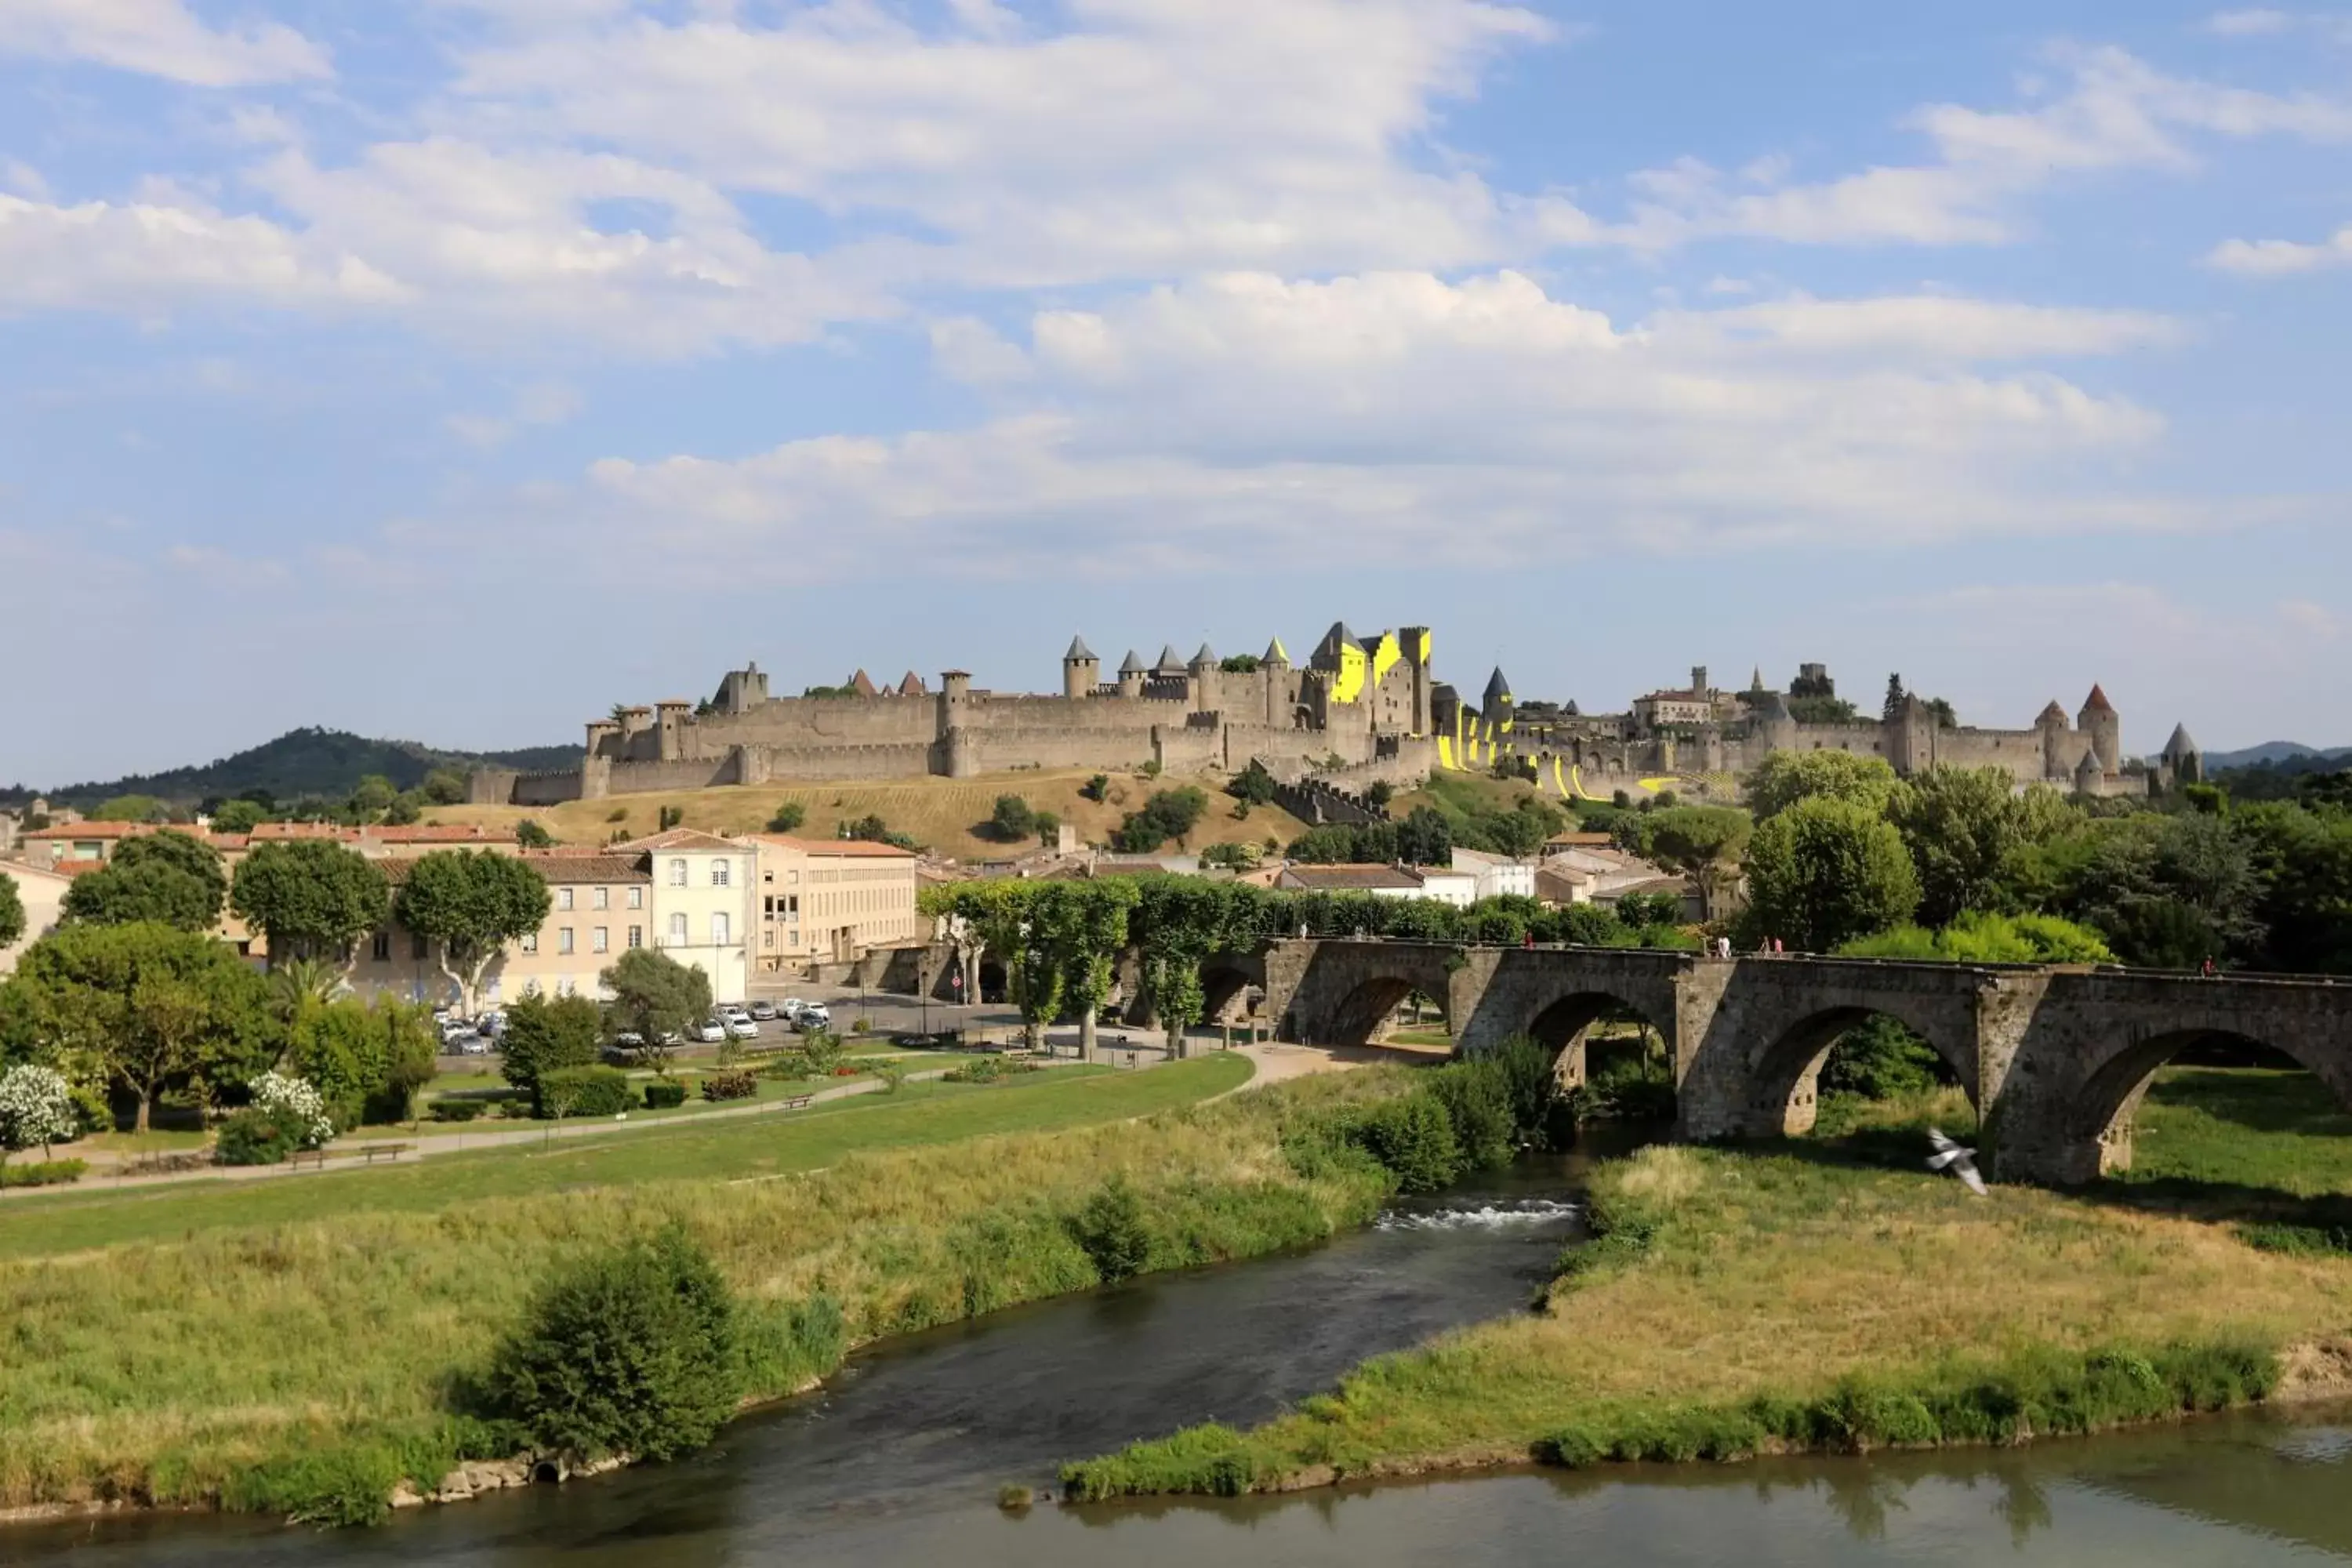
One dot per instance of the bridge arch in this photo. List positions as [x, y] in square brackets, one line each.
[1224, 992]
[1564, 1027]
[1785, 1083]
[2106, 1107]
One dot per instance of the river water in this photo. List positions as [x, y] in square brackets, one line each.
[898, 1460]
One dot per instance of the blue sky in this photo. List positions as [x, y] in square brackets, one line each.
[452, 370]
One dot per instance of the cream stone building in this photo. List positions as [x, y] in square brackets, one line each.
[599, 906]
[702, 894]
[832, 900]
[42, 892]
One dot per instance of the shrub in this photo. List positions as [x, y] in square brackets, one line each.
[458, 1110]
[665, 1096]
[730, 1086]
[582, 1091]
[788, 817]
[36, 1109]
[548, 1034]
[1478, 1107]
[631, 1351]
[891, 1075]
[300, 1099]
[43, 1173]
[1112, 1231]
[1414, 1139]
[258, 1135]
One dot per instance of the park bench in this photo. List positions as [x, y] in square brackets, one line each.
[799, 1101]
[369, 1152]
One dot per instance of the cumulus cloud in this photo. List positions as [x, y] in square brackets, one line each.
[157, 254]
[1159, 432]
[160, 38]
[2281, 257]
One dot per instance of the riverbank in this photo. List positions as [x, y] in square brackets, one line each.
[313, 1366]
[1744, 1302]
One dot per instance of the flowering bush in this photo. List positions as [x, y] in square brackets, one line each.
[299, 1101]
[36, 1109]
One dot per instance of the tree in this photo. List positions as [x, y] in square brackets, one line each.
[131, 808]
[406, 809]
[1239, 664]
[36, 1109]
[658, 997]
[1083, 927]
[12, 911]
[632, 1350]
[1826, 871]
[529, 834]
[238, 816]
[371, 796]
[1978, 938]
[1011, 821]
[310, 899]
[1169, 814]
[1253, 786]
[1896, 697]
[1096, 788]
[171, 878]
[445, 786]
[1377, 794]
[1701, 842]
[1047, 827]
[148, 1006]
[301, 984]
[1784, 778]
[1962, 826]
[1426, 838]
[788, 817]
[469, 904]
[367, 1059]
[544, 1036]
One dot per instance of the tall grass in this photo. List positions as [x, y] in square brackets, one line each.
[1800, 1297]
[307, 1367]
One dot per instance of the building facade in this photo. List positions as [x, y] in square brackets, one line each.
[599, 907]
[831, 901]
[42, 892]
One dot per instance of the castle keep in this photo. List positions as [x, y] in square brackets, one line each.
[1359, 701]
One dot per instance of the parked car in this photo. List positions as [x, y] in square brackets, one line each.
[812, 1018]
[476, 1046]
[740, 1026]
[763, 1010]
[789, 1009]
[710, 1031]
[491, 1025]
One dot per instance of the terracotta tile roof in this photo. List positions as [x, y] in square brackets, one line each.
[1350, 878]
[557, 869]
[112, 830]
[2096, 702]
[415, 832]
[677, 838]
[855, 849]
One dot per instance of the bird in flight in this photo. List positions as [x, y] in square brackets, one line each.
[1960, 1162]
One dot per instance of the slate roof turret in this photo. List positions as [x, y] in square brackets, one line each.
[1078, 650]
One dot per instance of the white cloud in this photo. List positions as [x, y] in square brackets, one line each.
[1370, 414]
[160, 38]
[2279, 257]
[155, 255]
[543, 403]
[2248, 24]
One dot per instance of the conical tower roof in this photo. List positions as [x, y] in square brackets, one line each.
[1337, 638]
[862, 683]
[910, 685]
[1169, 663]
[1130, 665]
[1756, 681]
[2089, 764]
[1206, 656]
[1498, 691]
[1078, 649]
[2182, 743]
[1275, 653]
[2053, 714]
[2096, 702]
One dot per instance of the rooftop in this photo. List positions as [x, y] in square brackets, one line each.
[853, 848]
[677, 838]
[1351, 879]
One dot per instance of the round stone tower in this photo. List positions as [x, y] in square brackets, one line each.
[1081, 670]
[2103, 728]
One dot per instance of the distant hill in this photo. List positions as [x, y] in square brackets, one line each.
[2272, 751]
[301, 763]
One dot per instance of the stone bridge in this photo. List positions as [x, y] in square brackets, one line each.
[2055, 1059]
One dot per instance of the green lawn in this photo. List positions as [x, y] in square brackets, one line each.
[2243, 1128]
[918, 1115]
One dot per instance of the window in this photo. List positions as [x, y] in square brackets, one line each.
[564, 939]
[562, 898]
[636, 897]
[600, 940]
[601, 898]
[636, 937]
[793, 909]
[417, 949]
[530, 941]
[383, 947]
[678, 873]
[677, 930]
[768, 939]
[720, 871]
[720, 929]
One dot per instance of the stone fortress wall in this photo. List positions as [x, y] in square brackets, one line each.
[1355, 701]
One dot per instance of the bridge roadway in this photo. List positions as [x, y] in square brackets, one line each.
[2055, 1057]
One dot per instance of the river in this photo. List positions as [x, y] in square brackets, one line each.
[898, 1460]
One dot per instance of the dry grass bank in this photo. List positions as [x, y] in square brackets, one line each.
[266, 1367]
[940, 814]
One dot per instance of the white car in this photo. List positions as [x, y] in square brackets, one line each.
[812, 1017]
[740, 1025]
[710, 1031]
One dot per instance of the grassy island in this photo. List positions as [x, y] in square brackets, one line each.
[1831, 1295]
